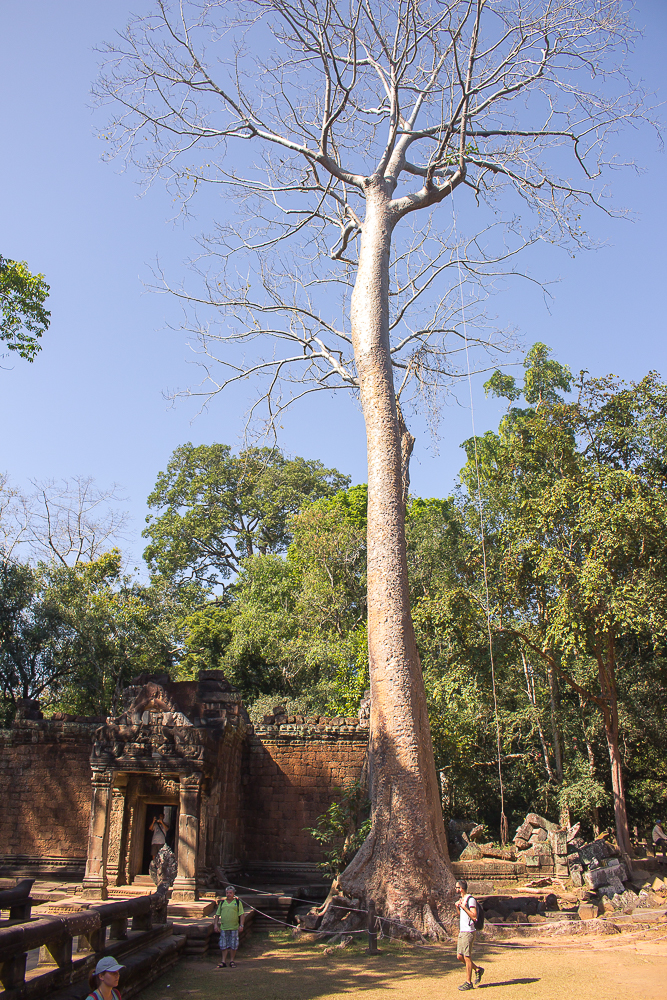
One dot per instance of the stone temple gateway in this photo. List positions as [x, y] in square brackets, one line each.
[177, 746]
[79, 794]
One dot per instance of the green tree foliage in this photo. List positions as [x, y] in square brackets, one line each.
[297, 625]
[73, 636]
[36, 644]
[343, 828]
[575, 501]
[214, 508]
[23, 318]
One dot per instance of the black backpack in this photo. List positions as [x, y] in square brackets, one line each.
[479, 922]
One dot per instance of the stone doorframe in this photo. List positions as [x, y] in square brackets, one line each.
[116, 831]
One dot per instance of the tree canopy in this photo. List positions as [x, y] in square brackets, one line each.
[23, 318]
[214, 508]
[575, 501]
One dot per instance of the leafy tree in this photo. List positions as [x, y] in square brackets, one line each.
[576, 495]
[36, 643]
[23, 318]
[73, 636]
[215, 508]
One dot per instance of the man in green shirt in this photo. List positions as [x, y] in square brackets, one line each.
[229, 918]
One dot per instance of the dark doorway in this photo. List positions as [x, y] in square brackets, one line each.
[154, 809]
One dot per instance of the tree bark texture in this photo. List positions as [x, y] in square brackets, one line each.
[403, 865]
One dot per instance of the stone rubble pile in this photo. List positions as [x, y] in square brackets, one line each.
[542, 844]
[596, 866]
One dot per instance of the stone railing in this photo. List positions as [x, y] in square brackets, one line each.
[100, 928]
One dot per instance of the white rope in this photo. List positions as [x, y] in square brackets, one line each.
[503, 818]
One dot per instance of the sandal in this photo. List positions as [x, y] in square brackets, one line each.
[232, 965]
[223, 965]
[466, 986]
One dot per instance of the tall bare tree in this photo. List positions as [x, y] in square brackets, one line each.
[342, 126]
[67, 521]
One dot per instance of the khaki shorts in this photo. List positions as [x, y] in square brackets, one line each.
[465, 943]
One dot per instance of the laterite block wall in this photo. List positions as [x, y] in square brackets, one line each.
[45, 789]
[291, 776]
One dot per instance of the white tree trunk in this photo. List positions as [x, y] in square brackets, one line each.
[403, 865]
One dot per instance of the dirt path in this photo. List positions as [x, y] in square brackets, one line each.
[281, 970]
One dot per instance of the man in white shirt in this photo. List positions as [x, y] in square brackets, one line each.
[659, 838]
[467, 907]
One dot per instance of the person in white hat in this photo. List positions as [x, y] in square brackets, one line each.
[103, 981]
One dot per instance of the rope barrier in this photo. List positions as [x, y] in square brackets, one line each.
[348, 909]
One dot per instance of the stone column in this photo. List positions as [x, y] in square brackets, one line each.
[185, 884]
[95, 879]
[116, 851]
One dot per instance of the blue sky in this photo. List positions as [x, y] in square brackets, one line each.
[93, 401]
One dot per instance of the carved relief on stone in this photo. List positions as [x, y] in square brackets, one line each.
[158, 784]
[193, 781]
[102, 777]
[115, 851]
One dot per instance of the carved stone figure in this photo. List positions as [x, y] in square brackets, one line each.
[163, 867]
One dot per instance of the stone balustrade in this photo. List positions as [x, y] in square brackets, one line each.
[99, 928]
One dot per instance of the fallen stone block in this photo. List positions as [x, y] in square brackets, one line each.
[523, 832]
[540, 821]
[613, 888]
[587, 911]
[538, 835]
[502, 853]
[657, 884]
[596, 877]
[577, 879]
[521, 844]
[572, 832]
[471, 853]
[597, 850]
[558, 841]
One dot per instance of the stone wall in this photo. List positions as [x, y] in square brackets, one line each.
[221, 834]
[268, 787]
[291, 775]
[45, 793]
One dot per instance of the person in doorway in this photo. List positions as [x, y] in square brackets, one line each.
[659, 838]
[159, 830]
[467, 907]
[229, 918]
[103, 981]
